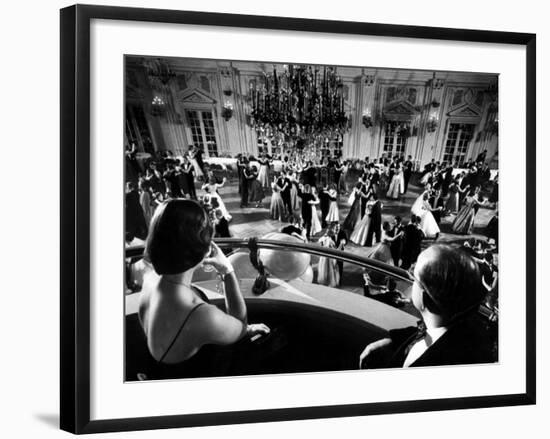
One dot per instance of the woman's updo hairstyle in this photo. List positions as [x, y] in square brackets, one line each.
[179, 236]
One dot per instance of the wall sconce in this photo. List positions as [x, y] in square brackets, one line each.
[367, 118]
[158, 106]
[227, 111]
[433, 122]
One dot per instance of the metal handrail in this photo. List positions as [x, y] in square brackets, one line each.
[312, 249]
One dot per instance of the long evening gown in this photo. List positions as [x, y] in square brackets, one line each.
[294, 198]
[381, 252]
[359, 234]
[454, 199]
[464, 221]
[333, 212]
[328, 273]
[213, 192]
[263, 173]
[416, 208]
[198, 171]
[395, 186]
[277, 207]
[428, 223]
[354, 213]
[315, 222]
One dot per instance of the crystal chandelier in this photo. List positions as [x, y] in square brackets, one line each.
[303, 105]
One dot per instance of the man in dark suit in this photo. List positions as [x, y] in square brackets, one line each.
[246, 177]
[304, 192]
[284, 182]
[412, 239]
[375, 225]
[135, 220]
[374, 179]
[447, 291]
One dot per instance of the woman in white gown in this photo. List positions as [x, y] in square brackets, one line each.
[428, 224]
[359, 234]
[333, 215]
[199, 175]
[397, 184]
[263, 173]
[315, 222]
[416, 208]
[212, 189]
[327, 269]
[294, 198]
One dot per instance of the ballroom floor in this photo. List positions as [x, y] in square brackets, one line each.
[248, 222]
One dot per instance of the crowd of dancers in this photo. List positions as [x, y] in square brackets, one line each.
[305, 196]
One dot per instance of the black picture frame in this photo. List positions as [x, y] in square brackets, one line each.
[75, 216]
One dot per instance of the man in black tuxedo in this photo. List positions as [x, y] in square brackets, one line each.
[135, 220]
[285, 194]
[407, 171]
[447, 291]
[375, 224]
[447, 180]
[246, 175]
[374, 179]
[412, 240]
[304, 192]
[310, 174]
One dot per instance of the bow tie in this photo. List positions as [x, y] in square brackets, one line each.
[421, 332]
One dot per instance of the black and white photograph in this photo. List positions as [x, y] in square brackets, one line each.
[285, 218]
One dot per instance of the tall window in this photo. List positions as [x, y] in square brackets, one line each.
[395, 140]
[203, 131]
[137, 130]
[458, 141]
[334, 146]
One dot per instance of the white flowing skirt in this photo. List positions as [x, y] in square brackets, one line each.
[428, 224]
[221, 206]
[315, 222]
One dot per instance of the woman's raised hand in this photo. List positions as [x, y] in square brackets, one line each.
[218, 260]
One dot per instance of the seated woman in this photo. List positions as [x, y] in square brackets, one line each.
[176, 317]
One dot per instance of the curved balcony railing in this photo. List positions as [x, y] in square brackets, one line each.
[312, 249]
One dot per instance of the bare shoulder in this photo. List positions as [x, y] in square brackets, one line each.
[211, 325]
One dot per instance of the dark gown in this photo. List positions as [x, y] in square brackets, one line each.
[135, 219]
[353, 216]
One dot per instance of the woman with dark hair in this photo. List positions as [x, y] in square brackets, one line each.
[176, 317]
[447, 293]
